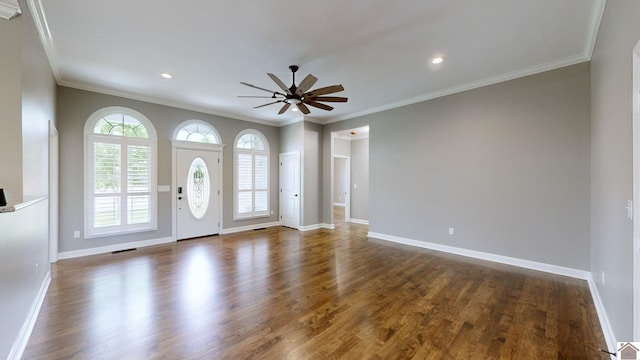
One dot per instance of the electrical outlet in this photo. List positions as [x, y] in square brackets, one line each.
[451, 231]
[603, 281]
[76, 234]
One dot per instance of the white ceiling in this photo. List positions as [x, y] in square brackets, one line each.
[379, 50]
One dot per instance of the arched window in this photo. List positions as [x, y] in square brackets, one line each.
[197, 131]
[251, 175]
[120, 172]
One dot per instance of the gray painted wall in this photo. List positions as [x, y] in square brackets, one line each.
[38, 109]
[27, 107]
[341, 147]
[292, 137]
[360, 179]
[611, 162]
[506, 165]
[11, 108]
[75, 106]
[312, 174]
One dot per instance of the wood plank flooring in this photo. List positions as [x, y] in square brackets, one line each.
[281, 294]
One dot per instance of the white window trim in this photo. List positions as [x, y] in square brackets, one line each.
[236, 152]
[199, 122]
[89, 139]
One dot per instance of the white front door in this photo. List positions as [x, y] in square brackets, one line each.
[290, 189]
[197, 193]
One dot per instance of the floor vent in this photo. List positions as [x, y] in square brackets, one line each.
[121, 251]
[259, 229]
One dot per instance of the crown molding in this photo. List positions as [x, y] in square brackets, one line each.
[9, 9]
[594, 27]
[533, 70]
[42, 27]
[161, 101]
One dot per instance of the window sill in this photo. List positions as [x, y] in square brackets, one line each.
[119, 233]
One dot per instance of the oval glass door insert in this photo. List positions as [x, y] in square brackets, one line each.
[198, 187]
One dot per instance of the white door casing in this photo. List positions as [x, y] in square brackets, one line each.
[290, 189]
[197, 193]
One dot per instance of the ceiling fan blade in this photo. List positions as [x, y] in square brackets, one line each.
[284, 108]
[303, 108]
[330, 98]
[271, 103]
[257, 97]
[259, 88]
[279, 83]
[325, 90]
[306, 84]
[319, 105]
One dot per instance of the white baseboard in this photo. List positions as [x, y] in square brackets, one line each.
[112, 248]
[249, 227]
[359, 221]
[554, 269]
[607, 330]
[317, 226]
[25, 332]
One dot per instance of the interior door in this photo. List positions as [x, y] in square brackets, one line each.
[290, 189]
[197, 192]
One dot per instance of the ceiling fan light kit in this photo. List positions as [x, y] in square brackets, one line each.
[299, 95]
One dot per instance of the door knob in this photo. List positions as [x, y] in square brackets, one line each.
[179, 197]
[296, 195]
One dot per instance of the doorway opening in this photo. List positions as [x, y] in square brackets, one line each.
[350, 175]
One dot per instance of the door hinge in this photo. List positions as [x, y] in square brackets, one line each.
[218, 160]
[218, 192]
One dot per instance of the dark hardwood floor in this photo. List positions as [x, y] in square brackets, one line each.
[327, 294]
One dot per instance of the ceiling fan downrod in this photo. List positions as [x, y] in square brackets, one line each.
[293, 87]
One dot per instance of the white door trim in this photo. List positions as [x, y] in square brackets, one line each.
[636, 193]
[178, 144]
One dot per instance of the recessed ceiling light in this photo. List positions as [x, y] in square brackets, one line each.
[166, 75]
[437, 60]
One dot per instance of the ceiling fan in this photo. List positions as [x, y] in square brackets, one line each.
[299, 95]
